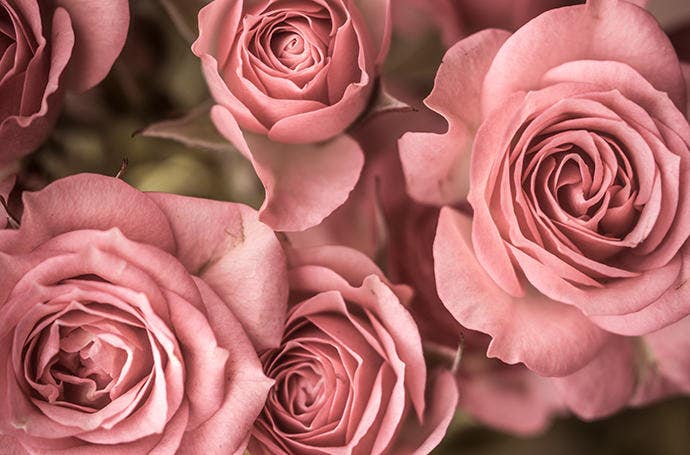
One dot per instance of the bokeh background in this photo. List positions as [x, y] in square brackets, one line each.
[158, 78]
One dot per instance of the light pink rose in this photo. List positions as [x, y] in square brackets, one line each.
[128, 321]
[46, 49]
[578, 177]
[350, 375]
[288, 79]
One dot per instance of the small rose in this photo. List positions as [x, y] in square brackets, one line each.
[349, 373]
[288, 79]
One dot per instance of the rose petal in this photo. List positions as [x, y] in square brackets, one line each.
[551, 338]
[605, 385]
[295, 202]
[601, 30]
[239, 257]
[436, 165]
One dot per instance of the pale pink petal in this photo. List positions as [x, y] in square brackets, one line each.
[672, 306]
[238, 256]
[437, 165]
[304, 183]
[506, 397]
[551, 338]
[421, 437]
[89, 201]
[100, 29]
[601, 30]
[228, 429]
[670, 352]
[605, 385]
[22, 134]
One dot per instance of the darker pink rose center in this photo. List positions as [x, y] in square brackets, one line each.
[594, 187]
[288, 41]
[84, 356]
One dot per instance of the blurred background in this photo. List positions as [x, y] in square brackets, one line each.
[158, 78]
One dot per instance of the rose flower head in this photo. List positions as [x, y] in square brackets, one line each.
[130, 321]
[572, 139]
[288, 79]
[349, 373]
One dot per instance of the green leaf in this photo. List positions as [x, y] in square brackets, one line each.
[194, 130]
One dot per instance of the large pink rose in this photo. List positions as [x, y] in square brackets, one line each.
[579, 180]
[349, 375]
[287, 76]
[47, 48]
[130, 321]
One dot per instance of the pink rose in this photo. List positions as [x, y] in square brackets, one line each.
[288, 79]
[124, 318]
[578, 178]
[47, 48]
[349, 374]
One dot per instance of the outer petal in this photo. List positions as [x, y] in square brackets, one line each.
[442, 397]
[227, 430]
[670, 349]
[304, 183]
[507, 397]
[6, 186]
[238, 256]
[20, 135]
[601, 30]
[673, 305]
[100, 28]
[605, 385]
[104, 203]
[11, 446]
[377, 14]
[436, 165]
[550, 338]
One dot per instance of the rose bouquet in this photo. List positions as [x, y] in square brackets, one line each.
[344, 226]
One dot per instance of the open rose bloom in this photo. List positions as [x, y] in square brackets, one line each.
[130, 321]
[572, 139]
[350, 374]
[288, 79]
[46, 49]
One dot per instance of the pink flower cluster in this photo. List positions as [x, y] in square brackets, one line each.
[515, 249]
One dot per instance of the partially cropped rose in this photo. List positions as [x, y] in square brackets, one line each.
[294, 72]
[350, 374]
[128, 321]
[46, 49]
[579, 180]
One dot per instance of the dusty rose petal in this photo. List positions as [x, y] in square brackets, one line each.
[105, 203]
[294, 202]
[239, 257]
[600, 30]
[100, 29]
[515, 323]
[22, 134]
[437, 165]
[605, 385]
